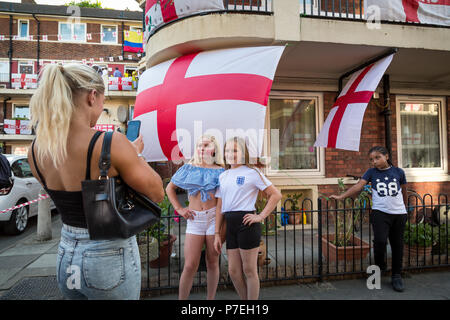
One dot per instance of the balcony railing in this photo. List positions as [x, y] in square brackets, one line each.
[344, 9]
[248, 5]
[356, 10]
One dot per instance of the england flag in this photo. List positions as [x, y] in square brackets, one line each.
[221, 92]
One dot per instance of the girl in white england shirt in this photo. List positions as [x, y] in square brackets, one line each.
[237, 193]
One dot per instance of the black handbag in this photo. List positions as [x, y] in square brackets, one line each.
[114, 210]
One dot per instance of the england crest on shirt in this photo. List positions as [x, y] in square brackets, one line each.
[240, 180]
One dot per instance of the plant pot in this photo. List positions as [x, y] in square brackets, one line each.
[295, 218]
[165, 250]
[416, 251]
[359, 250]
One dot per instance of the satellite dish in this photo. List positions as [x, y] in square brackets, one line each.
[122, 114]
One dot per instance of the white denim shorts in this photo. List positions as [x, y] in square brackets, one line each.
[204, 223]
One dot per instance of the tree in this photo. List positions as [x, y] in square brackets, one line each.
[85, 4]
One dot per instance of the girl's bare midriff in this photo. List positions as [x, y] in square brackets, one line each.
[195, 202]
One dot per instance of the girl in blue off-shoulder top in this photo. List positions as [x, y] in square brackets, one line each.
[200, 178]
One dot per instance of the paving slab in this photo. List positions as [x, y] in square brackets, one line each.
[47, 260]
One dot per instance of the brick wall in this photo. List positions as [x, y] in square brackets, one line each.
[61, 50]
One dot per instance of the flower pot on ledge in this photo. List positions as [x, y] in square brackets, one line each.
[357, 251]
[416, 251]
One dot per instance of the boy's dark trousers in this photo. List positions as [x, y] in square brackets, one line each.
[388, 226]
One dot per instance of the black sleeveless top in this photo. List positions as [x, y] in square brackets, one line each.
[70, 203]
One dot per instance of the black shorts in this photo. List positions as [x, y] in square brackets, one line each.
[239, 235]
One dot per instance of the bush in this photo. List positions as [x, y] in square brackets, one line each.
[420, 235]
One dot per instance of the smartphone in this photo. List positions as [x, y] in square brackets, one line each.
[133, 129]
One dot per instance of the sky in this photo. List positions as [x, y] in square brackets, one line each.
[113, 4]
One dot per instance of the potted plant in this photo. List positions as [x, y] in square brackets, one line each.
[343, 245]
[295, 214]
[159, 233]
[272, 222]
[418, 240]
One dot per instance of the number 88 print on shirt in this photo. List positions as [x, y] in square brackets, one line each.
[387, 193]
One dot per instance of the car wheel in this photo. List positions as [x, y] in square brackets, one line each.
[18, 221]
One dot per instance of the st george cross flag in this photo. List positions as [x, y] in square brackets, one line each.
[342, 128]
[17, 126]
[222, 92]
[159, 12]
[420, 11]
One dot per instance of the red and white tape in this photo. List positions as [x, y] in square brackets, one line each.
[41, 197]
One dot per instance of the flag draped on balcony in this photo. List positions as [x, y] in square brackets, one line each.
[17, 126]
[420, 11]
[159, 12]
[132, 41]
[221, 92]
[342, 128]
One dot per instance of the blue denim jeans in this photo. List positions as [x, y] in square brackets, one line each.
[97, 269]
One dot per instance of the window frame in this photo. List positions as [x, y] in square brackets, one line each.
[15, 105]
[442, 135]
[84, 40]
[135, 29]
[26, 63]
[117, 33]
[318, 97]
[18, 28]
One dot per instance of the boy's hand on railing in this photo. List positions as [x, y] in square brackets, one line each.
[337, 197]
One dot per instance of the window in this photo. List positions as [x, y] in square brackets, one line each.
[21, 111]
[129, 70]
[109, 34]
[72, 31]
[26, 67]
[21, 169]
[136, 29]
[296, 119]
[23, 29]
[422, 137]
[4, 71]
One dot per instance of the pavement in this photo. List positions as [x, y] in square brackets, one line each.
[28, 272]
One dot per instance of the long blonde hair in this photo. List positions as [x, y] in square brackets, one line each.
[218, 157]
[253, 163]
[52, 105]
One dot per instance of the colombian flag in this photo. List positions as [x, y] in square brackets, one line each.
[132, 41]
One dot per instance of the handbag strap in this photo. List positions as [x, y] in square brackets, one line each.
[105, 157]
[89, 154]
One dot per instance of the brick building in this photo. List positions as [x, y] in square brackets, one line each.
[325, 40]
[32, 36]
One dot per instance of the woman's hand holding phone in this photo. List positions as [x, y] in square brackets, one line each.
[138, 144]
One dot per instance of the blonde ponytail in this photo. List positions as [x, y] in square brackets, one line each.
[52, 106]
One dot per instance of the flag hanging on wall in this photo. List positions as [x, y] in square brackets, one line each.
[342, 128]
[159, 12]
[222, 92]
[132, 41]
[420, 11]
[17, 126]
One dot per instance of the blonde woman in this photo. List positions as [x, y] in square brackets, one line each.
[65, 107]
[200, 177]
[237, 193]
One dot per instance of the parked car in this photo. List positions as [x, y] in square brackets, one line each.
[25, 188]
